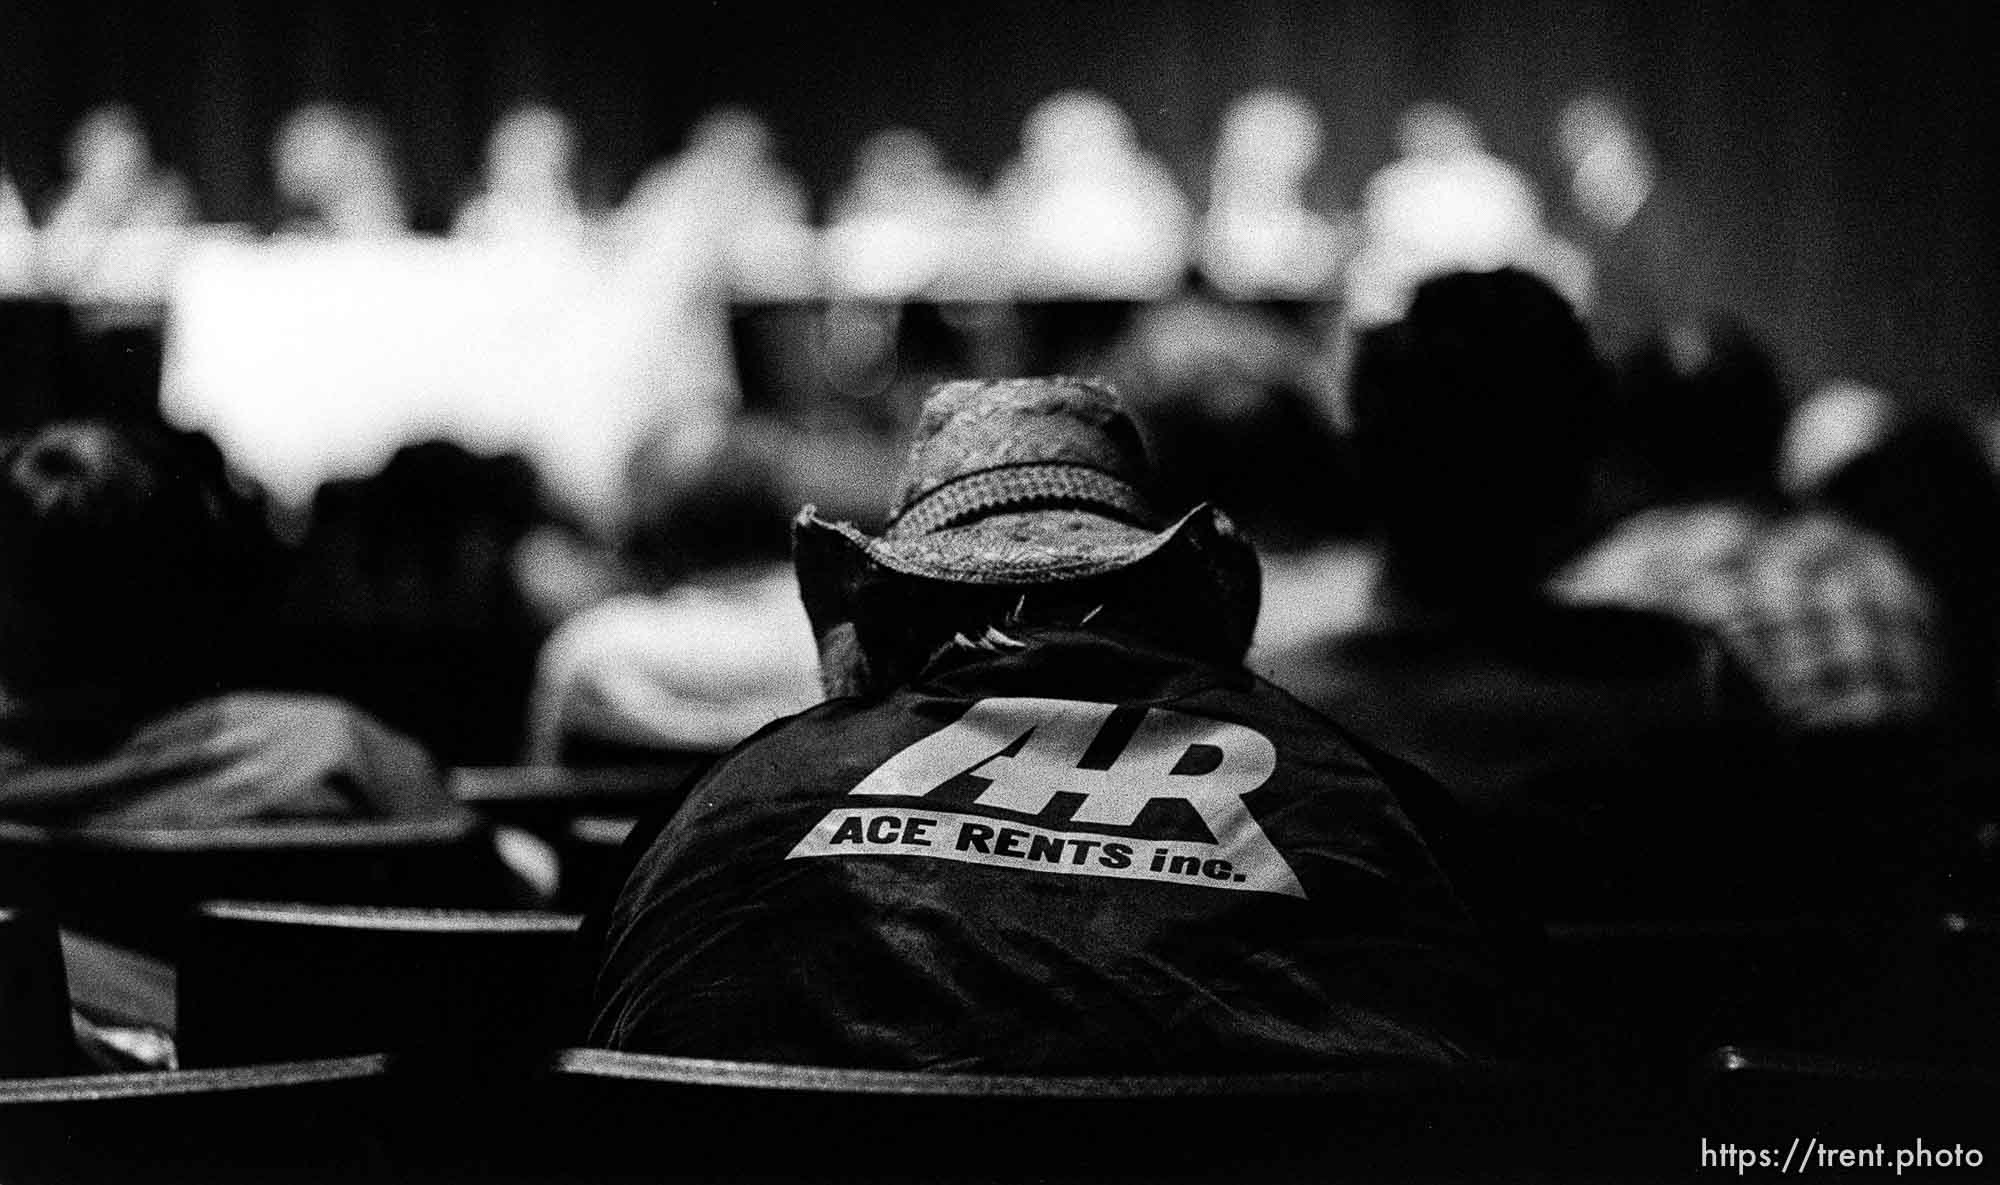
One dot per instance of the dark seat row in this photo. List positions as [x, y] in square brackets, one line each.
[600, 1116]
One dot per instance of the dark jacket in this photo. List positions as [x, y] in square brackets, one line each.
[1171, 866]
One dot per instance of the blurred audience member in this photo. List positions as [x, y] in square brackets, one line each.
[99, 241]
[965, 857]
[1224, 389]
[1829, 620]
[18, 242]
[718, 222]
[1651, 259]
[1088, 212]
[726, 210]
[1260, 238]
[1478, 419]
[716, 648]
[900, 226]
[402, 598]
[119, 587]
[335, 174]
[1837, 423]
[1444, 205]
[528, 188]
[1921, 481]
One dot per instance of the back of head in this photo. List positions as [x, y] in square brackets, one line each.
[708, 509]
[1476, 422]
[111, 560]
[1702, 413]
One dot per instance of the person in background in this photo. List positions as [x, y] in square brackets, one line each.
[119, 586]
[1920, 479]
[724, 214]
[1835, 628]
[1085, 210]
[19, 243]
[714, 648]
[1653, 260]
[1445, 204]
[99, 241]
[897, 227]
[529, 183]
[335, 175]
[1260, 238]
[1477, 421]
[1048, 823]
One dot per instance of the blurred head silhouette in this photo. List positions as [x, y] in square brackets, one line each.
[108, 148]
[1701, 413]
[1076, 128]
[705, 503]
[532, 151]
[1269, 144]
[113, 560]
[334, 164]
[1476, 421]
[1436, 130]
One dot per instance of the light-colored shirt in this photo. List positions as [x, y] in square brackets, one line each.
[697, 668]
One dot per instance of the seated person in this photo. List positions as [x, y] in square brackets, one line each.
[716, 651]
[1048, 822]
[1476, 424]
[115, 605]
[1836, 629]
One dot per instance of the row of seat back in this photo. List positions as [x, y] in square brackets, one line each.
[268, 982]
[583, 814]
[309, 1121]
[288, 980]
[1657, 993]
[134, 886]
[595, 1115]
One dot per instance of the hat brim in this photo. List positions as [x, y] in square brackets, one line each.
[839, 566]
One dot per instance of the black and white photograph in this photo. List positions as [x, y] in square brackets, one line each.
[1043, 591]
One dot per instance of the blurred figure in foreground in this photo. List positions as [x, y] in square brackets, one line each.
[529, 182]
[1830, 621]
[117, 598]
[716, 647]
[1448, 204]
[1478, 419]
[1260, 238]
[335, 175]
[1087, 212]
[1049, 824]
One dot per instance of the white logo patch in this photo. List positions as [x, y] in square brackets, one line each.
[1027, 751]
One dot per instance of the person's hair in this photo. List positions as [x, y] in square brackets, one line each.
[1476, 421]
[114, 561]
[724, 510]
[1701, 413]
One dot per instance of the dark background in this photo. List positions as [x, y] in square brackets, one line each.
[1842, 153]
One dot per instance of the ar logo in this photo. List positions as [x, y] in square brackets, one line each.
[1029, 750]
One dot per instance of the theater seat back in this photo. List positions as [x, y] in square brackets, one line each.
[135, 886]
[269, 981]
